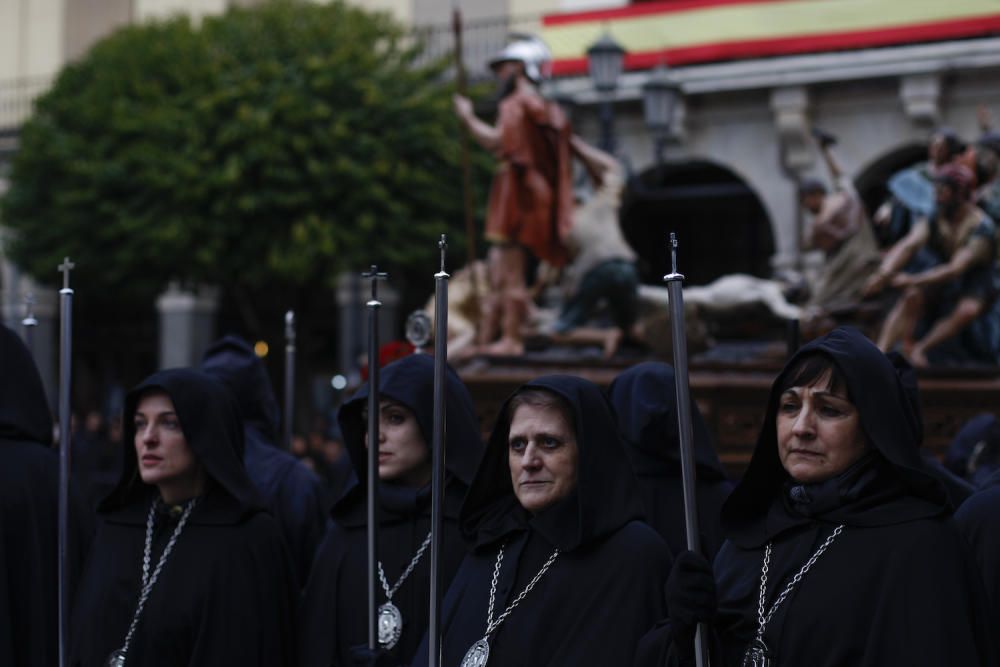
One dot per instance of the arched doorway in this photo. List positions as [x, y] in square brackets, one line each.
[721, 224]
[871, 181]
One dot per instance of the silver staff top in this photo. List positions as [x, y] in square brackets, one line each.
[673, 275]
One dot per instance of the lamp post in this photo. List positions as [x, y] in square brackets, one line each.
[660, 95]
[605, 58]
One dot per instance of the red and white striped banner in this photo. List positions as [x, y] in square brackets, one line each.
[681, 32]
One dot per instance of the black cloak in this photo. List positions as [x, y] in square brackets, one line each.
[897, 587]
[979, 521]
[226, 595]
[292, 493]
[974, 452]
[605, 588]
[29, 492]
[644, 397]
[334, 609]
[958, 489]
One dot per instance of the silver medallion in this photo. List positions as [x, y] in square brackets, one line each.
[757, 654]
[477, 655]
[116, 659]
[390, 625]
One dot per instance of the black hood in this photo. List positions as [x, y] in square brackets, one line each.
[886, 407]
[410, 381]
[645, 399]
[24, 410]
[211, 423]
[233, 361]
[604, 499]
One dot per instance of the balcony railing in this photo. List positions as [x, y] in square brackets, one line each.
[17, 97]
[481, 40]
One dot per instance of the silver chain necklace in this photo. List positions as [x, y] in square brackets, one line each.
[758, 654]
[117, 657]
[390, 620]
[479, 653]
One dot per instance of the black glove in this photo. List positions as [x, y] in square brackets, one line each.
[362, 656]
[690, 593]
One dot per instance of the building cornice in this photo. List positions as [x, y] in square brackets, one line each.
[805, 70]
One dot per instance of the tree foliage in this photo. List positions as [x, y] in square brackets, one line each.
[276, 145]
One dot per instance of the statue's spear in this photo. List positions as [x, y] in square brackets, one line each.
[461, 86]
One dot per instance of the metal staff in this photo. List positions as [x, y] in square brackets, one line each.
[675, 288]
[438, 454]
[289, 376]
[29, 322]
[65, 369]
[373, 305]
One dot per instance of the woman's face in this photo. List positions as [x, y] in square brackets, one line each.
[165, 459]
[403, 455]
[819, 432]
[543, 456]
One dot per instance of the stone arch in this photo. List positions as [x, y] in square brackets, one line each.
[721, 223]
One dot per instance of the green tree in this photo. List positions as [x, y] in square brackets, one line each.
[265, 149]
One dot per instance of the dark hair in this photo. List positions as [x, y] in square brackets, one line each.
[986, 165]
[541, 398]
[954, 145]
[811, 186]
[809, 369]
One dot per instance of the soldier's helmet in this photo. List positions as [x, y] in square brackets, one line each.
[529, 50]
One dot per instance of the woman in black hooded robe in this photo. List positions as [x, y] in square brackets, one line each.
[644, 396]
[838, 509]
[334, 627]
[225, 594]
[600, 590]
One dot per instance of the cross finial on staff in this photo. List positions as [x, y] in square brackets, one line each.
[443, 245]
[65, 268]
[375, 275]
[673, 275]
[673, 252]
[29, 311]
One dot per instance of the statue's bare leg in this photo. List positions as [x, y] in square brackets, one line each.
[967, 310]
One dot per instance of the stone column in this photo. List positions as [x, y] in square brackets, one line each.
[921, 98]
[790, 108]
[187, 324]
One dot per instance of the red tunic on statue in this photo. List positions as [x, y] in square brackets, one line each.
[531, 201]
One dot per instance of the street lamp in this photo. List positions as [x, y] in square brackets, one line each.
[660, 95]
[605, 58]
